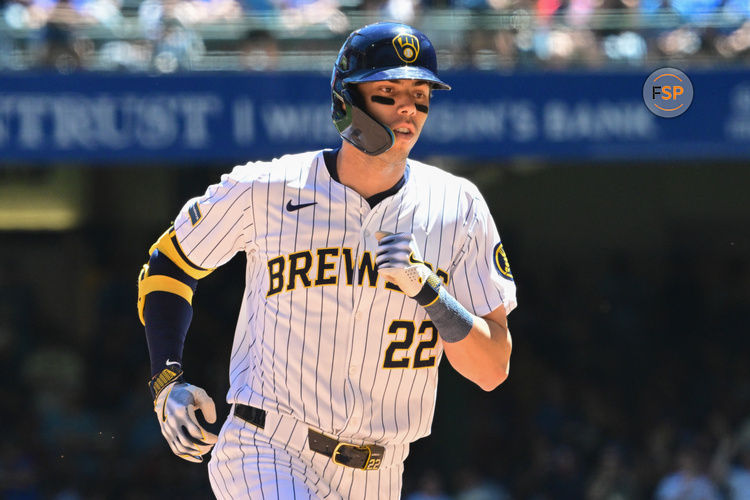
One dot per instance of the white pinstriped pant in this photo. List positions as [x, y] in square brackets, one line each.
[275, 463]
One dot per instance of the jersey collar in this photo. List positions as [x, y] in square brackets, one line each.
[330, 155]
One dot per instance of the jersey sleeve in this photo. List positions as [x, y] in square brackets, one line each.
[482, 280]
[211, 228]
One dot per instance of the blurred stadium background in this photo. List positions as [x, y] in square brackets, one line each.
[627, 233]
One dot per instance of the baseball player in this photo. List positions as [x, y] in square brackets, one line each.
[363, 268]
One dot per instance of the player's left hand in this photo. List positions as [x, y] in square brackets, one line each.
[175, 407]
[399, 261]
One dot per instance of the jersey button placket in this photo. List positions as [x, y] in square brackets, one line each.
[351, 372]
[364, 295]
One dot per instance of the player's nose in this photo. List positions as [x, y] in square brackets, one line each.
[407, 106]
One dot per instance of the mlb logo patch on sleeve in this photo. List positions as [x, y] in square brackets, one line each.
[195, 213]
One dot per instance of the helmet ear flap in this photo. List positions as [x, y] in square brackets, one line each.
[338, 108]
[339, 97]
[351, 94]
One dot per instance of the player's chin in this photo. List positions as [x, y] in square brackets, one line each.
[400, 151]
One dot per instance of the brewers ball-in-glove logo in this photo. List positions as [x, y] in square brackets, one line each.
[501, 262]
[407, 47]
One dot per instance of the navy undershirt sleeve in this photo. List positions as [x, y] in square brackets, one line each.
[167, 315]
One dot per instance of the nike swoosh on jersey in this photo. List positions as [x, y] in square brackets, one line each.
[292, 208]
[170, 362]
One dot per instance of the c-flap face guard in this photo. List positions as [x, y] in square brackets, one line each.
[366, 133]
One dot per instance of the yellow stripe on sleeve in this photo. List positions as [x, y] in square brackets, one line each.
[159, 283]
[169, 246]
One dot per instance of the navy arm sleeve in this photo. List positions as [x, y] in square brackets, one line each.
[167, 316]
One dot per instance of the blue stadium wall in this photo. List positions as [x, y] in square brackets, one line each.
[236, 117]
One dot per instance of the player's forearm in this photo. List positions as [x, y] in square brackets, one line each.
[477, 347]
[166, 315]
[167, 320]
[483, 356]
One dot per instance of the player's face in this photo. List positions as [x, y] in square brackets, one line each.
[407, 114]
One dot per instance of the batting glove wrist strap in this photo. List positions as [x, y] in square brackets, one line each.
[162, 379]
[430, 291]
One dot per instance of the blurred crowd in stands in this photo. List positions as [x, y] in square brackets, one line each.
[171, 35]
[636, 387]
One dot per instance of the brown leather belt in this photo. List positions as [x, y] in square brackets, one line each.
[364, 457]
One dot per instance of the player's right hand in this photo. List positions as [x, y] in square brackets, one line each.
[398, 259]
[175, 407]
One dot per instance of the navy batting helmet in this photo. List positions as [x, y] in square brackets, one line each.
[381, 51]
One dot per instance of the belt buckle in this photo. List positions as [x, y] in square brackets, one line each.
[369, 463]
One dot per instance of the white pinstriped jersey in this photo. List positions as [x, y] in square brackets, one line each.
[320, 336]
